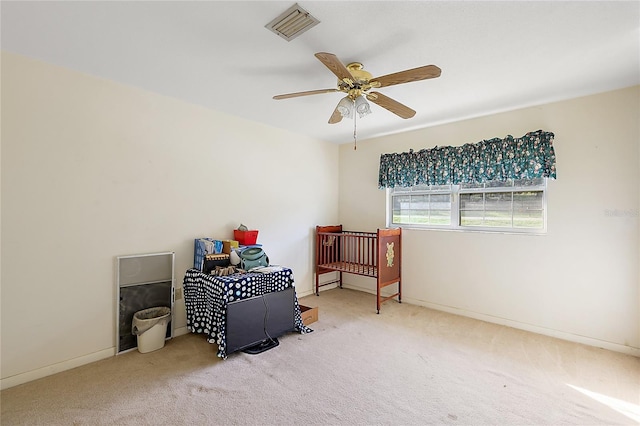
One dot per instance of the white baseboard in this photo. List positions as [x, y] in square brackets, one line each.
[49, 370]
[304, 293]
[39, 373]
[180, 331]
[313, 291]
[616, 347]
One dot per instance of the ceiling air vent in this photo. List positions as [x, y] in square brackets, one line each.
[293, 22]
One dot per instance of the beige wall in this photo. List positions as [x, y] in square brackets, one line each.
[92, 170]
[580, 281]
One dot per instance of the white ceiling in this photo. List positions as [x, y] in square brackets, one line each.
[494, 56]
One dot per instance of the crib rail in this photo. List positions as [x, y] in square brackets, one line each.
[348, 251]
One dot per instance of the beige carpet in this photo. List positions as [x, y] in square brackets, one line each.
[407, 366]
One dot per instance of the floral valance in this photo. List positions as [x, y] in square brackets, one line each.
[531, 156]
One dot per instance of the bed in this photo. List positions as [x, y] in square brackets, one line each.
[370, 254]
[212, 301]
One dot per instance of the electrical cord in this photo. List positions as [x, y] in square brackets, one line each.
[266, 316]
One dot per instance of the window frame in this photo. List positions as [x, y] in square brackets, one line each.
[455, 219]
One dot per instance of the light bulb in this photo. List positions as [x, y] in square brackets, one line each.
[362, 106]
[345, 107]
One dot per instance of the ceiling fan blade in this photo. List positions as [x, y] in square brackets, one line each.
[336, 117]
[395, 107]
[407, 76]
[332, 62]
[309, 92]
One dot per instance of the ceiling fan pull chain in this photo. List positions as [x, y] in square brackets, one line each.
[355, 141]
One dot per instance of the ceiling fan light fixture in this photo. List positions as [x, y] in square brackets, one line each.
[345, 107]
[362, 106]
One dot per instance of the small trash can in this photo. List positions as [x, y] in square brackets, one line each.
[150, 325]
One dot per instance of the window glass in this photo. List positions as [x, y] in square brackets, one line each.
[518, 206]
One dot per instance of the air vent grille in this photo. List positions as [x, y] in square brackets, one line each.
[293, 22]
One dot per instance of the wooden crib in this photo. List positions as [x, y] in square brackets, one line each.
[371, 254]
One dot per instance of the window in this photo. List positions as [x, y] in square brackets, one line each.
[509, 206]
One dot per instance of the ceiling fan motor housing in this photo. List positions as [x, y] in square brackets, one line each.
[360, 83]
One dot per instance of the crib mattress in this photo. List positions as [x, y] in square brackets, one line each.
[352, 268]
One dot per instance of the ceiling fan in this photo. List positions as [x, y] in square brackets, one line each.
[358, 83]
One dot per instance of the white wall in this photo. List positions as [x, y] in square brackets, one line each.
[580, 281]
[92, 170]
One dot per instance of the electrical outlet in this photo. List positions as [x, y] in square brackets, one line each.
[178, 293]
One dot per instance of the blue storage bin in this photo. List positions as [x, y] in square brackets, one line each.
[202, 247]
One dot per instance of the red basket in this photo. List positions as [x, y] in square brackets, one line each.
[246, 238]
